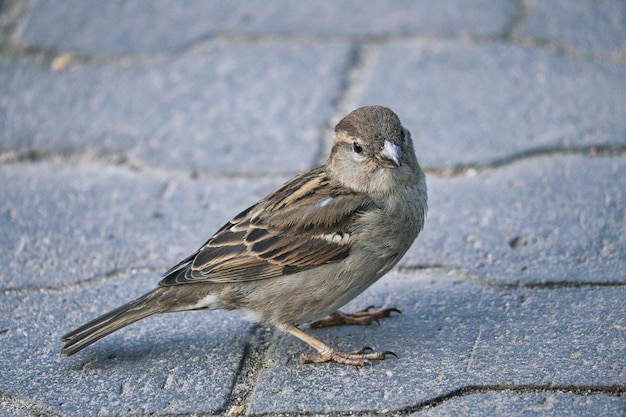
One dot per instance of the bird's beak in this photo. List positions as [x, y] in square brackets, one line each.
[389, 156]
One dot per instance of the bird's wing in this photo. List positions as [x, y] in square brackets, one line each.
[308, 221]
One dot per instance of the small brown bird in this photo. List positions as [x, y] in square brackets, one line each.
[307, 248]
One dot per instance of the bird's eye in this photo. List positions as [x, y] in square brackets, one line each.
[357, 148]
[402, 135]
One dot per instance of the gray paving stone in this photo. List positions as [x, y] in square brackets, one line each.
[548, 219]
[177, 363]
[453, 333]
[150, 26]
[586, 26]
[479, 103]
[63, 224]
[512, 404]
[236, 108]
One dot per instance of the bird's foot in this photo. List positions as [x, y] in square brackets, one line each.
[365, 316]
[357, 358]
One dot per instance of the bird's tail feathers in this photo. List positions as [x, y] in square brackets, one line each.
[110, 322]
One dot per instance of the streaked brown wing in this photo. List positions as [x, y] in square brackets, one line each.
[305, 223]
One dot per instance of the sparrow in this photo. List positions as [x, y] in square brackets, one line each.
[306, 249]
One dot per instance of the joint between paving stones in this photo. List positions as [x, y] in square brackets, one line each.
[33, 155]
[517, 18]
[84, 283]
[18, 404]
[612, 390]
[463, 169]
[582, 390]
[10, 50]
[352, 82]
[475, 167]
[343, 101]
[464, 274]
[75, 157]
[252, 362]
[459, 271]
[555, 285]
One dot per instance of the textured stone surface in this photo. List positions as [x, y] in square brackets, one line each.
[167, 363]
[205, 110]
[152, 26]
[480, 104]
[544, 219]
[89, 220]
[584, 26]
[529, 404]
[454, 333]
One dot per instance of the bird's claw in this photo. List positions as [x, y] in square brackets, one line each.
[359, 357]
[365, 316]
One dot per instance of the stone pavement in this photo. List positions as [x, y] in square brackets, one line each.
[132, 130]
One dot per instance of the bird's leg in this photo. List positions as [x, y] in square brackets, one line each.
[365, 316]
[328, 354]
